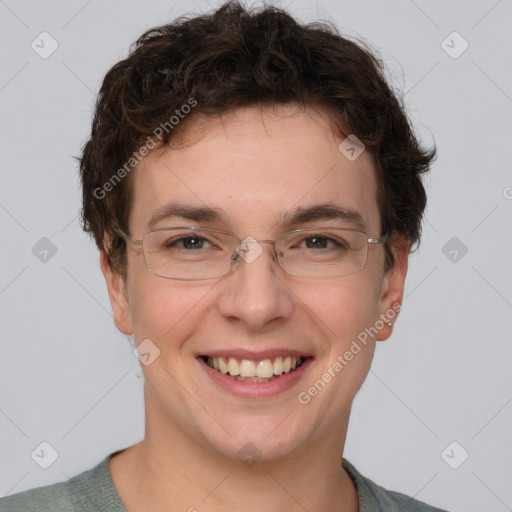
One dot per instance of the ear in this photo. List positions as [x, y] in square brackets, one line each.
[392, 290]
[116, 286]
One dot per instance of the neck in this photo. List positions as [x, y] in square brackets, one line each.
[168, 468]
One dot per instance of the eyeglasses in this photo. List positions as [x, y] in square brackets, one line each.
[191, 253]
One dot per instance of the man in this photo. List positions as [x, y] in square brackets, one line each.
[254, 189]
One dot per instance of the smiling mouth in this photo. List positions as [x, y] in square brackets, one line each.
[246, 370]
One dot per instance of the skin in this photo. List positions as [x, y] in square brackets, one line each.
[255, 164]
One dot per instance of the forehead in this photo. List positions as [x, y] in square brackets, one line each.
[255, 166]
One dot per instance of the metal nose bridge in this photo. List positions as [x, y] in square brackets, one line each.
[241, 249]
[250, 239]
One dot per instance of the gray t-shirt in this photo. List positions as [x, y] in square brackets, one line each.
[94, 491]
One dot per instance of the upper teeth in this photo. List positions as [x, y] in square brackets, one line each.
[265, 368]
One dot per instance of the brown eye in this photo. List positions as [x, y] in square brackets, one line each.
[187, 242]
[323, 242]
[316, 242]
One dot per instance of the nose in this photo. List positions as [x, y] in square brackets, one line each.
[254, 292]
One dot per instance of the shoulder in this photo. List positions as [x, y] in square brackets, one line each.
[90, 491]
[56, 497]
[374, 498]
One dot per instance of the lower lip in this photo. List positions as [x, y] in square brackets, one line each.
[256, 389]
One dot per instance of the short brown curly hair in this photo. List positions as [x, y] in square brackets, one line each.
[237, 57]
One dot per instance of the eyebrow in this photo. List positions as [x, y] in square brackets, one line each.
[297, 216]
[189, 212]
[323, 211]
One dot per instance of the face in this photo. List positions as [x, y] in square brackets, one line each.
[256, 165]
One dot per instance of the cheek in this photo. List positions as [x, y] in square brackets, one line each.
[163, 309]
[344, 306]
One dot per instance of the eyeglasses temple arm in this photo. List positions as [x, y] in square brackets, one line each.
[126, 238]
[378, 240]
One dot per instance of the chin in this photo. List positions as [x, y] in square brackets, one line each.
[257, 439]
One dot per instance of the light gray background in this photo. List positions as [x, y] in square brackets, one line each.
[69, 378]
